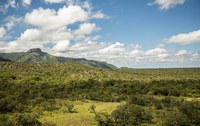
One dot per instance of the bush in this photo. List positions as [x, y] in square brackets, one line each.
[92, 108]
[104, 119]
[130, 115]
[176, 119]
[27, 119]
[192, 111]
[6, 121]
[70, 107]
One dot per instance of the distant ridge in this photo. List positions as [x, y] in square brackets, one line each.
[4, 60]
[36, 55]
[35, 50]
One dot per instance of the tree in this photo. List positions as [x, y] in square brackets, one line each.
[92, 108]
[70, 107]
[176, 118]
[27, 119]
[130, 115]
[104, 119]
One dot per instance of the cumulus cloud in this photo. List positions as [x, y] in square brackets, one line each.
[85, 28]
[54, 29]
[26, 2]
[8, 46]
[156, 51]
[122, 55]
[61, 46]
[115, 49]
[30, 35]
[56, 19]
[184, 38]
[35, 36]
[166, 4]
[99, 15]
[2, 32]
[181, 53]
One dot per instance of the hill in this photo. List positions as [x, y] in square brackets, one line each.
[36, 55]
[4, 60]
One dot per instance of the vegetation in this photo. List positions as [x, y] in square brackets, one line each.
[73, 94]
[36, 55]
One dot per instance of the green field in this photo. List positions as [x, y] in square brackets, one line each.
[81, 115]
[70, 94]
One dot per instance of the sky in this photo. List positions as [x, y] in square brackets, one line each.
[126, 33]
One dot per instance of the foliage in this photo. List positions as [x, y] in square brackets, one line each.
[27, 119]
[92, 108]
[131, 115]
[104, 119]
[70, 107]
[151, 97]
[176, 118]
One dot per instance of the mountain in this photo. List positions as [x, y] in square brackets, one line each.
[4, 60]
[36, 55]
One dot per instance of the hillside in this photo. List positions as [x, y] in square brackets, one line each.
[4, 60]
[58, 94]
[36, 55]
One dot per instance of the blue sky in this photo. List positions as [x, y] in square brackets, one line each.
[131, 33]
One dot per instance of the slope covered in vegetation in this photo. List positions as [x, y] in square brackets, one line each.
[36, 93]
[36, 55]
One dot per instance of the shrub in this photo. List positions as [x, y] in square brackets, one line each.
[104, 119]
[27, 119]
[176, 119]
[130, 115]
[70, 107]
[92, 108]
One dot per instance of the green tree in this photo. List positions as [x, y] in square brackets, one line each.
[104, 119]
[130, 115]
[70, 107]
[27, 119]
[176, 118]
[92, 108]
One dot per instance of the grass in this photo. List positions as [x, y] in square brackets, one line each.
[81, 116]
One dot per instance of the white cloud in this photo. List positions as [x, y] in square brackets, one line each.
[8, 46]
[185, 38]
[10, 4]
[99, 15]
[54, 1]
[156, 51]
[11, 21]
[167, 4]
[56, 19]
[26, 2]
[87, 5]
[30, 35]
[181, 53]
[184, 55]
[113, 49]
[2, 32]
[61, 46]
[122, 55]
[38, 36]
[85, 28]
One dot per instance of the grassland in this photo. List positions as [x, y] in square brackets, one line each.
[81, 116]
